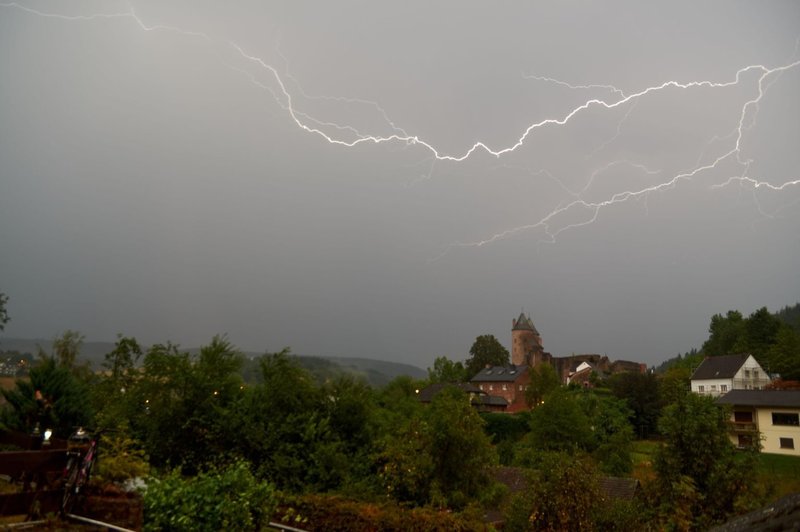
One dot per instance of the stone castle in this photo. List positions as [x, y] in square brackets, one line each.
[527, 349]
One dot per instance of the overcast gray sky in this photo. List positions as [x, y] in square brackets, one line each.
[393, 180]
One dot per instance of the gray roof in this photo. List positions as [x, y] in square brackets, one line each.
[619, 487]
[722, 367]
[780, 398]
[524, 323]
[427, 394]
[500, 374]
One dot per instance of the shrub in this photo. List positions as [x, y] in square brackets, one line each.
[229, 498]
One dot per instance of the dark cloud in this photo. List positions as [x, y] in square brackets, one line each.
[153, 182]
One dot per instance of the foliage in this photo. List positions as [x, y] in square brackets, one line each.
[773, 341]
[445, 370]
[333, 513]
[674, 385]
[790, 316]
[3, 312]
[486, 350]
[62, 402]
[612, 433]
[441, 455]
[506, 431]
[725, 334]
[559, 424]
[699, 470]
[544, 381]
[178, 406]
[228, 498]
[562, 494]
[67, 347]
[640, 391]
[120, 459]
[580, 421]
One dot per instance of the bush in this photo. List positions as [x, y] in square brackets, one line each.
[229, 498]
[333, 513]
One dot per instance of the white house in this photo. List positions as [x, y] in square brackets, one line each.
[775, 414]
[719, 375]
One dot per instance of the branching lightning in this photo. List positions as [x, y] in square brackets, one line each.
[347, 135]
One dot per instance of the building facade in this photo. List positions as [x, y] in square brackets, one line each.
[772, 415]
[718, 375]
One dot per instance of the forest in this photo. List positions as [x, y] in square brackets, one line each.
[214, 450]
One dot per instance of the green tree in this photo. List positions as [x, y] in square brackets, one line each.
[783, 357]
[725, 333]
[180, 404]
[445, 370]
[486, 350]
[612, 433]
[641, 393]
[761, 331]
[439, 456]
[558, 424]
[698, 465]
[562, 493]
[62, 402]
[67, 347]
[544, 381]
[3, 312]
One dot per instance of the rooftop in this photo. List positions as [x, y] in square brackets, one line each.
[722, 367]
[500, 374]
[781, 398]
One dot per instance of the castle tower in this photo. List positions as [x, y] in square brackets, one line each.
[526, 344]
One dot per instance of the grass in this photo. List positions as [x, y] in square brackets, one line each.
[781, 473]
[643, 454]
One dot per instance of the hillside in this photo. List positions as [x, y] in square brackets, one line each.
[375, 372]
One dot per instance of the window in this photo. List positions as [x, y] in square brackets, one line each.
[481, 386]
[723, 387]
[787, 443]
[713, 387]
[701, 388]
[490, 387]
[780, 418]
[504, 387]
[745, 440]
[755, 373]
[520, 387]
[743, 417]
[747, 374]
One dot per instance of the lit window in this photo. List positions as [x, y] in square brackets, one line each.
[490, 387]
[504, 387]
[787, 443]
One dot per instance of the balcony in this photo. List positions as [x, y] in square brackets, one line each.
[743, 426]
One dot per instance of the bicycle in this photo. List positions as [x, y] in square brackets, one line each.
[79, 467]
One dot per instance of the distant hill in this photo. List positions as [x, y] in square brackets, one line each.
[376, 373]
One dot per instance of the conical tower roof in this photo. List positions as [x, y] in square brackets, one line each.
[524, 323]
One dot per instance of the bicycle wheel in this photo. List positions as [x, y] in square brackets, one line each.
[68, 499]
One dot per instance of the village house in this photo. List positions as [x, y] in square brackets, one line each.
[477, 397]
[719, 375]
[506, 382]
[774, 414]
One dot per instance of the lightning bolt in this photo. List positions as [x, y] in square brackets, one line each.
[349, 136]
[611, 88]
